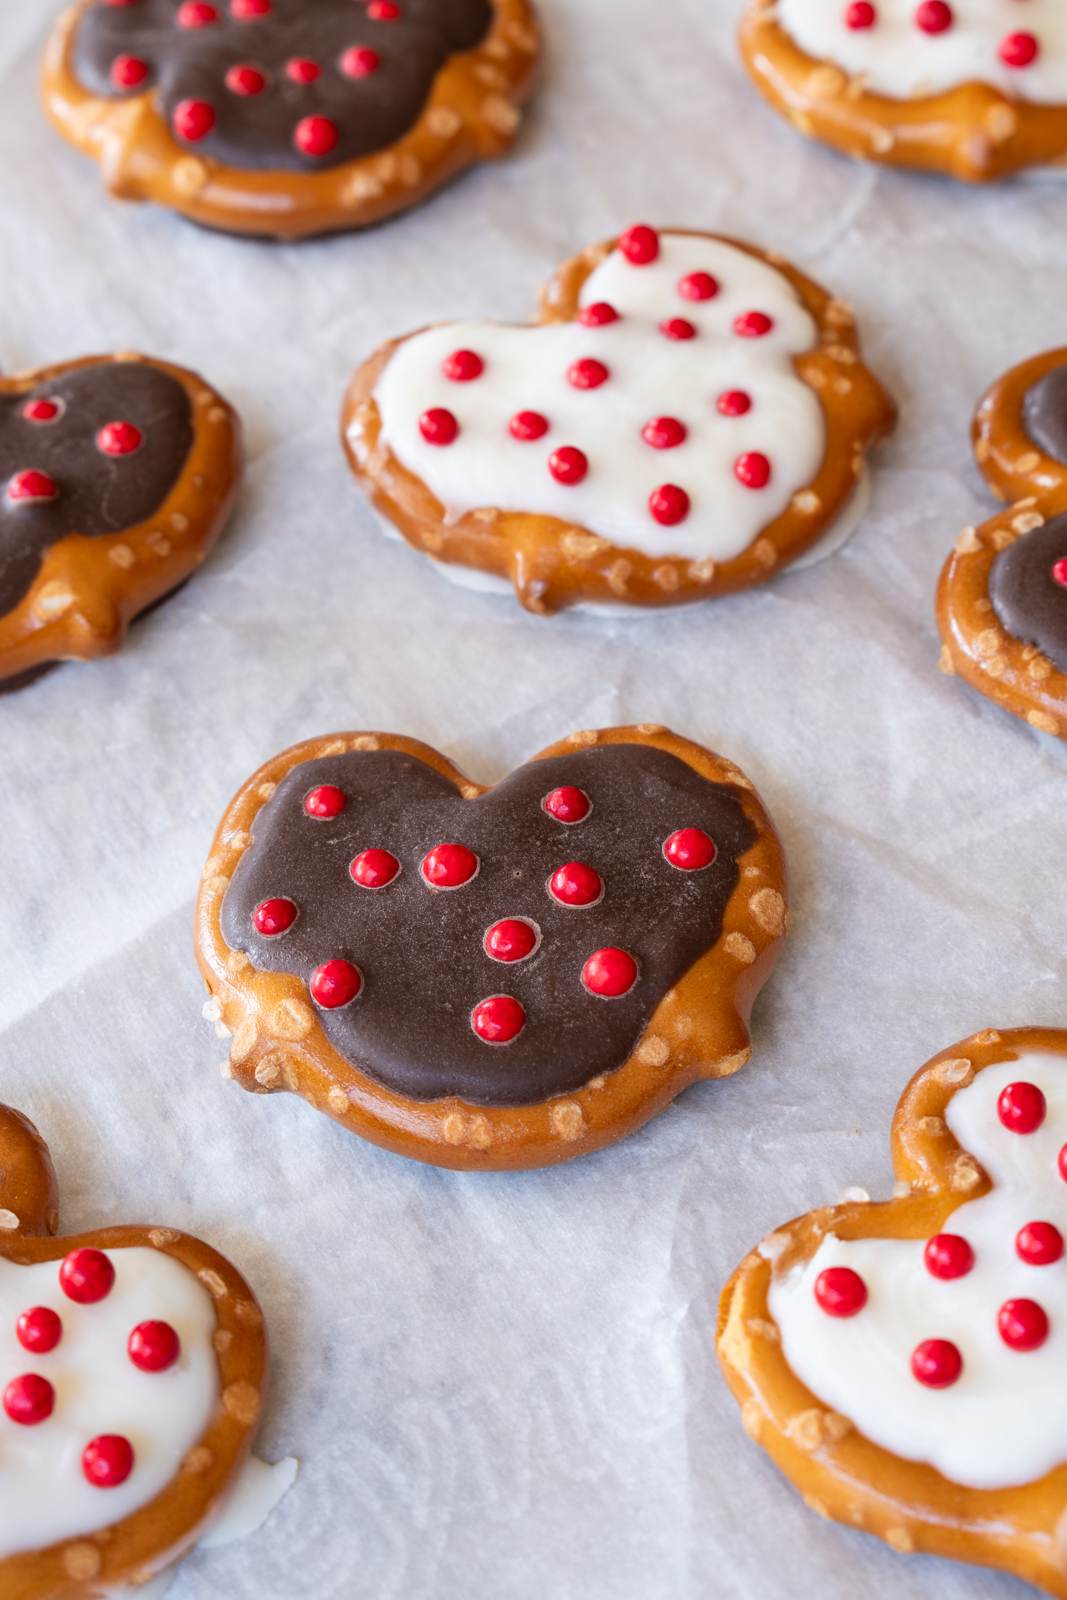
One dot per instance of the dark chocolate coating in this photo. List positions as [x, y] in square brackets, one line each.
[420, 951]
[1026, 597]
[1045, 414]
[256, 131]
[98, 494]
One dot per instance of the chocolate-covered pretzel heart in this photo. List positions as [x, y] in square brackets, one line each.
[510, 971]
[132, 1365]
[1002, 601]
[689, 416]
[283, 116]
[115, 478]
[905, 1363]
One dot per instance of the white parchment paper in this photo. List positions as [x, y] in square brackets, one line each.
[505, 1386]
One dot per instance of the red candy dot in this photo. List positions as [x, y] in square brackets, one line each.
[933, 16]
[107, 1461]
[860, 14]
[438, 426]
[1022, 1324]
[753, 469]
[193, 120]
[753, 324]
[936, 1363]
[274, 917]
[947, 1255]
[568, 465]
[640, 245]
[32, 485]
[245, 80]
[690, 850]
[315, 136]
[42, 410]
[598, 315]
[575, 885]
[609, 973]
[86, 1277]
[567, 804]
[301, 69]
[840, 1292]
[1059, 573]
[526, 426]
[698, 286]
[463, 366]
[335, 984]
[360, 61]
[383, 11]
[669, 505]
[325, 802]
[1021, 1107]
[247, 10]
[374, 869]
[498, 1020]
[118, 439]
[153, 1346]
[664, 433]
[39, 1330]
[1062, 1163]
[196, 14]
[29, 1400]
[512, 939]
[678, 328]
[1019, 50]
[128, 72]
[734, 403]
[587, 373]
[1039, 1244]
[449, 866]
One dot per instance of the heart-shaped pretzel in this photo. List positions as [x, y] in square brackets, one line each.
[117, 474]
[284, 118]
[1002, 598]
[132, 1365]
[690, 415]
[490, 978]
[973, 88]
[905, 1363]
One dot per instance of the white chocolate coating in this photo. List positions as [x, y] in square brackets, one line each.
[1004, 1422]
[44, 1495]
[898, 59]
[650, 376]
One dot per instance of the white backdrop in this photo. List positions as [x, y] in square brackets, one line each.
[505, 1386]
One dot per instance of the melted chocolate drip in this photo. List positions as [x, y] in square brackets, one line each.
[1026, 597]
[420, 951]
[255, 131]
[98, 493]
[1045, 414]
